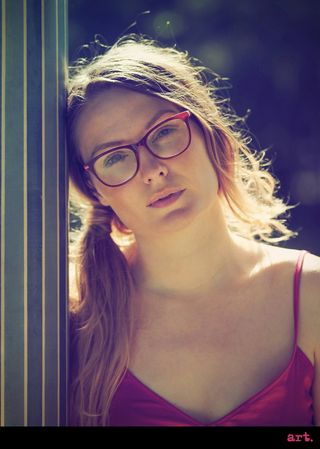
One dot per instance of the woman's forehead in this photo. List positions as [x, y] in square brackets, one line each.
[115, 109]
[122, 97]
[115, 105]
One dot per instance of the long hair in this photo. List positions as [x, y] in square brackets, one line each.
[101, 313]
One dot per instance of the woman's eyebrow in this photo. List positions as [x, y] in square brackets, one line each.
[116, 143]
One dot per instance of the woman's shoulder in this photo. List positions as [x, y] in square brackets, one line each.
[310, 271]
[282, 263]
[309, 276]
[310, 295]
[309, 311]
[288, 258]
[285, 262]
[310, 317]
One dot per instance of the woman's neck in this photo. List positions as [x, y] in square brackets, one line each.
[200, 258]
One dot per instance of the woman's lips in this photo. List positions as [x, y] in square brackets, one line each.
[170, 199]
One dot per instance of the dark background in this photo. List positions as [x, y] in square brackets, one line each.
[270, 52]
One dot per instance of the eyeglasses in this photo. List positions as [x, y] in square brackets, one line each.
[166, 140]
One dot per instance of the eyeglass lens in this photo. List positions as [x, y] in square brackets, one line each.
[166, 141]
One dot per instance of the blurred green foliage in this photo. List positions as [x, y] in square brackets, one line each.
[268, 49]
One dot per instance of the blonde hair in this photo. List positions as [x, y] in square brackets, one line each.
[101, 312]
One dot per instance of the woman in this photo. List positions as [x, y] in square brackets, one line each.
[184, 312]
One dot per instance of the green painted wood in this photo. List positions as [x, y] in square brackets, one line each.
[34, 221]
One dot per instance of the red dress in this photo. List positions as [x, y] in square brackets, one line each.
[286, 401]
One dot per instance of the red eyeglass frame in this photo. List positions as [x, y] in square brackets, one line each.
[184, 115]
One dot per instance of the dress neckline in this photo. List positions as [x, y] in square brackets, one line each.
[297, 351]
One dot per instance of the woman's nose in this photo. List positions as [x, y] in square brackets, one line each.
[151, 167]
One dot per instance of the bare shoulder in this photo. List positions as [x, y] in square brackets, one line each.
[309, 285]
[284, 261]
[310, 298]
[310, 295]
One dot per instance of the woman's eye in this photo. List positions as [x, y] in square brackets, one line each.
[164, 132]
[114, 159]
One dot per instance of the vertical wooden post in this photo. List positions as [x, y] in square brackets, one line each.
[34, 220]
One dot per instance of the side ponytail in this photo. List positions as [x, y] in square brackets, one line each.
[101, 321]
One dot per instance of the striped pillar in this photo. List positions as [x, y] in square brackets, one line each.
[34, 221]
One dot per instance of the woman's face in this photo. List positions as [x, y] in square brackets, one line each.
[119, 114]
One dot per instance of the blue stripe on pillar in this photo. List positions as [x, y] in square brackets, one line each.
[2, 328]
[50, 197]
[63, 321]
[14, 216]
[25, 217]
[34, 164]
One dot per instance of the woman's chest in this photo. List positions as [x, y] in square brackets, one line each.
[207, 363]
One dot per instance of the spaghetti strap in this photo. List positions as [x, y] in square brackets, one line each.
[297, 277]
